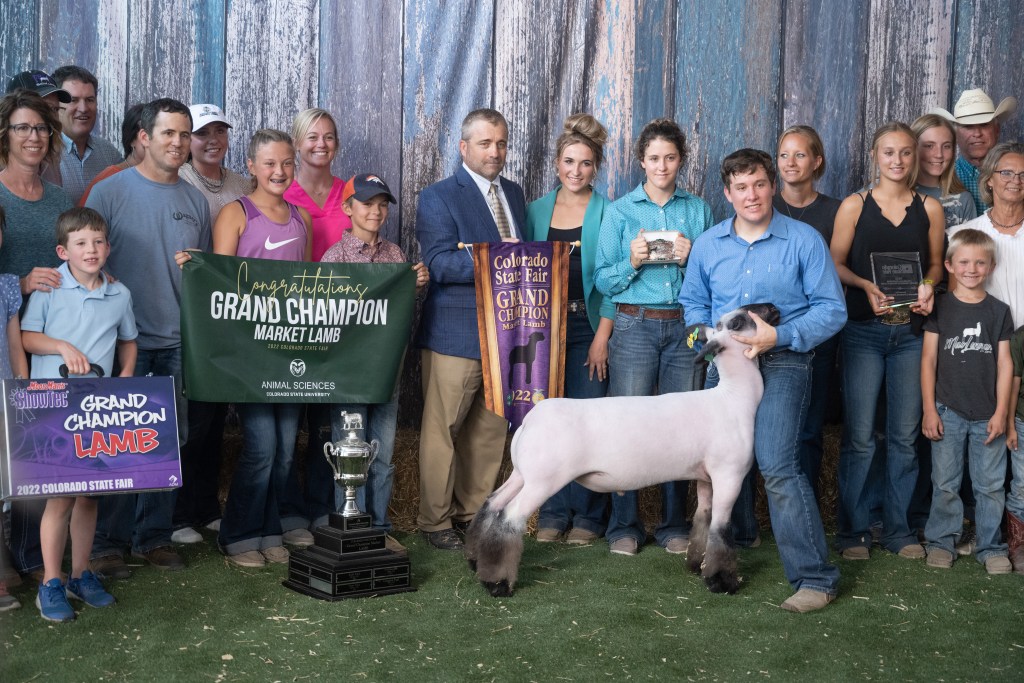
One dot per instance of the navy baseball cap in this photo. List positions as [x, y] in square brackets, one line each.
[38, 82]
[365, 187]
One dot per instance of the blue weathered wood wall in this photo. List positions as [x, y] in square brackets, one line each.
[399, 75]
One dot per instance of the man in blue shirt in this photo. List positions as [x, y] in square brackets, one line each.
[85, 154]
[762, 256]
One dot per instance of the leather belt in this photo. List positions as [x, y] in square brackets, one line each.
[576, 306]
[652, 313]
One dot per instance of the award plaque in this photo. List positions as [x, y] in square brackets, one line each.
[348, 558]
[897, 274]
[661, 244]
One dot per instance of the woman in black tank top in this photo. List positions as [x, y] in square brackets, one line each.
[880, 349]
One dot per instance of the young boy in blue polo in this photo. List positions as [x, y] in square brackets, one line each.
[966, 375]
[81, 322]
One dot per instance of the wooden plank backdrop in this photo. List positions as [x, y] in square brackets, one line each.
[399, 75]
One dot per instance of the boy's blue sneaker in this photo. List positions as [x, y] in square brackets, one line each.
[52, 602]
[89, 590]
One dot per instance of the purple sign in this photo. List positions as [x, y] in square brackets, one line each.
[73, 437]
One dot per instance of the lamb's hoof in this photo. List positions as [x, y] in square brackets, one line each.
[721, 582]
[472, 564]
[498, 589]
[694, 565]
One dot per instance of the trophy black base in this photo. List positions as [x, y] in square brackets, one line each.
[344, 564]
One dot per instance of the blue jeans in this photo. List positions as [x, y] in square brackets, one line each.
[877, 355]
[811, 440]
[251, 518]
[144, 520]
[575, 505]
[198, 503]
[988, 472]
[645, 357]
[379, 423]
[1015, 499]
[796, 519]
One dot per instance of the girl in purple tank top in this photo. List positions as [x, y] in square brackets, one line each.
[262, 225]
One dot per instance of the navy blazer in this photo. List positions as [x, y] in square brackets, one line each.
[450, 211]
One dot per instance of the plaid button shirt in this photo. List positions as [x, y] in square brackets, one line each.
[968, 175]
[351, 249]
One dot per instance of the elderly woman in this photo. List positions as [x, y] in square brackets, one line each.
[1001, 184]
[29, 138]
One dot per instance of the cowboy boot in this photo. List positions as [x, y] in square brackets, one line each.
[1015, 539]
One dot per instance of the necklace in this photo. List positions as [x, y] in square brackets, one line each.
[789, 208]
[1008, 226]
[214, 186]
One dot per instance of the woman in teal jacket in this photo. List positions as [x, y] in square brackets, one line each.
[570, 213]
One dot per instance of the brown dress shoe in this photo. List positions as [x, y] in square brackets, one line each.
[445, 539]
[163, 558]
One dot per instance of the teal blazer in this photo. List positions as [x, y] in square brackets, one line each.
[538, 222]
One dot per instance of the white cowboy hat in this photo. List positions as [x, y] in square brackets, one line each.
[974, 106]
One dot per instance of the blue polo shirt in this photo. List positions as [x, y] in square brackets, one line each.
[654, 286]
[789, 266]
[92, 321]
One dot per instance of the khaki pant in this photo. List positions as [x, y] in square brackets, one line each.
[461, 442]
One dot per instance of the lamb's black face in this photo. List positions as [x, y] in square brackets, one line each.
[740, 322]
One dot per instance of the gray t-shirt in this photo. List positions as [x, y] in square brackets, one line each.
[967, 363]
[958, 208]
[30, 239]
[149, 221]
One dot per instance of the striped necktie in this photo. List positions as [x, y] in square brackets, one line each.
[500, 219]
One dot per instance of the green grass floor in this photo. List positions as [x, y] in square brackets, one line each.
[579, 614]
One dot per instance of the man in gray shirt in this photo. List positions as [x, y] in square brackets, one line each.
[85, 154]
[154, 216]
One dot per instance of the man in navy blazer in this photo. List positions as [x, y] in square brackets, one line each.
[461, 442]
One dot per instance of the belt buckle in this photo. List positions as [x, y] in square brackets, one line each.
[896, 316]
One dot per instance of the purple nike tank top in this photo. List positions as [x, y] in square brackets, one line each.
[264, 238]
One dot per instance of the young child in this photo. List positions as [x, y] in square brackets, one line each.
[1014, 441]
[12, 364]
[966, 372]
[365, 200]
[83, 321]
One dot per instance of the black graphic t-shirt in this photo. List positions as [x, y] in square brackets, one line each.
[969, 336]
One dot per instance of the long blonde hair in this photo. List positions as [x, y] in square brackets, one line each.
[882, 131]
[949, 183]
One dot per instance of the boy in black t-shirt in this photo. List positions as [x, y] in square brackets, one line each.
[966, 373]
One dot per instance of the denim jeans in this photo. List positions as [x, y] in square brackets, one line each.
[795, 517]
[198, 503]
[575, 505]
[144, 520]
[811, 438]
[307, 505]
[252, 520]
[648, 356]
[988, 472]
[1015, 498]
[877, 355]
[380, 420]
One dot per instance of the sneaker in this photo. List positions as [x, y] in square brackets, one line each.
[624, 546]
[277, 555]
[186, 535]
[806, 600]
[445, 539]
[10, 576]
[393, 545]
[300, 538]
[939, 557]
[110, 567]
[580, 536]
[998, 564]
[89, 590]
[677, 545]
[252, 559]
[912, 551]
[548, 535]
[214, 525]
[968, 541]
[52, 601]
[857, 552]
[7, 601]
[162, 558]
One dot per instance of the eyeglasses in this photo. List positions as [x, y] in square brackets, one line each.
[1008, 175]
[23, 130]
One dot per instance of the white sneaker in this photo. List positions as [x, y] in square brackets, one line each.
[186, 535]
[214, 525]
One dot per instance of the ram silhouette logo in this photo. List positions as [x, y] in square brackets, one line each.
[298, 367]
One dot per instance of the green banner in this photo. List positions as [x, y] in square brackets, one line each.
[259, 331]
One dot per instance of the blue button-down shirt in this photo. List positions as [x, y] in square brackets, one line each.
[656, 286]
[968, 175]
[789, 266]
[77, 172]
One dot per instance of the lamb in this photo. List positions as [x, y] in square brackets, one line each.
[525, 354]
[626, 443]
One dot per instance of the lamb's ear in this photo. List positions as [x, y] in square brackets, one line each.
[766, 311]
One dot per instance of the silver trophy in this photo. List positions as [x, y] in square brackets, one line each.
[350, 459]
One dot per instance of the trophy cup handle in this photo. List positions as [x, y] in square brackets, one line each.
[374, 451]
[328, 449]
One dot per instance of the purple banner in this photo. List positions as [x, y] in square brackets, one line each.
[88, 436]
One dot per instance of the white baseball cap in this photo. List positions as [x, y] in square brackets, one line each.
[203, 114]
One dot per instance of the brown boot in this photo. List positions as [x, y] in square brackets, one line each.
[1015, 539]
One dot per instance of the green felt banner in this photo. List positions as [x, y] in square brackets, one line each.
[259, 331]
